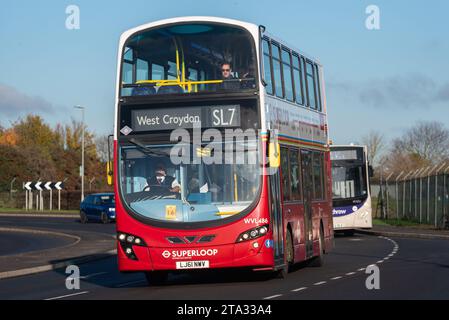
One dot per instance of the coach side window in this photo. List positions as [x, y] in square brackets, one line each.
[285, 173]
[267, 66]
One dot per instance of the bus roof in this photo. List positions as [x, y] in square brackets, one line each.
[253, 28]
[125, 35]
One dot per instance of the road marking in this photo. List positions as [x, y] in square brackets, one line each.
[128, 283]
[92, 275]
[396, 248]
[68, 295]
[299, 289]
[272, 297]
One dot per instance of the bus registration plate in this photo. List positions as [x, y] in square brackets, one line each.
[192, 264]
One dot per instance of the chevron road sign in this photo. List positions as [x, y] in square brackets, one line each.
[40, 186]
[29, 185]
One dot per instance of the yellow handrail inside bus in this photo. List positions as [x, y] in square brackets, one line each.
[189, 83]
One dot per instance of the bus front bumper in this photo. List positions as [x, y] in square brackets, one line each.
[257, 253]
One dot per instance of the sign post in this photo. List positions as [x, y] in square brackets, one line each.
[48, 187]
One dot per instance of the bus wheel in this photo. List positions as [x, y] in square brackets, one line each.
[83, 217]
[290, 251]
[318, 261]
[156, 277]
[290, 257]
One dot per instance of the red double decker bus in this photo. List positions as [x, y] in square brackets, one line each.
[221, 156]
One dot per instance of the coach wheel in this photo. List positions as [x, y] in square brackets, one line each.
[156, 277]
[83, 217]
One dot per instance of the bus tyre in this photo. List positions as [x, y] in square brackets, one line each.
[83, 217]
[104, 218]
[289, 259]
[318, 261]
[290, 251]
[156, 277]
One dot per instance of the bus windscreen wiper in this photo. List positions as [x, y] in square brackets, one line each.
[145, 149]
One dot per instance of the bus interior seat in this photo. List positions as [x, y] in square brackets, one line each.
[170, 90]
[143, 91]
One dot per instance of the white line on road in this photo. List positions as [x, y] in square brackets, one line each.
[350, 273]
[129, 283]
[336, 278]
[92, 275]
[361, 269]
[68, 295]
[319, 283]
[299, 289]
[272, 297]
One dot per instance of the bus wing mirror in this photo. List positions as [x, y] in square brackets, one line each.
[110, 163]
[370, 171]
[110, 172]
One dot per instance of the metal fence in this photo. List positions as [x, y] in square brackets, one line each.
[421, 195]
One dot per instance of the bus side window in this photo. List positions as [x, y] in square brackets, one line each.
[310, 82]
[298, 80]
[318, 175]
[157, 72]
[295, 177]
[267, 66]
[276, 58]
[287, 72]
[285, 174]
[142, 70]
[318, 88]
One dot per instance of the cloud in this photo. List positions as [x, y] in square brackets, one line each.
[443, 93]
[405, 91]
[14, 103]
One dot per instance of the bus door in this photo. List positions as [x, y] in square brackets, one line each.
[276, 218]
[307, 187]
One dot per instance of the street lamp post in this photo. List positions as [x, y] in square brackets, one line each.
[82, 151]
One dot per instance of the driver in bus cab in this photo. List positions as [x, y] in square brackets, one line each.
[161, 179]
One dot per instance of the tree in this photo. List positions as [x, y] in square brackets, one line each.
[375, 145]
[425, 142]
[101, 143]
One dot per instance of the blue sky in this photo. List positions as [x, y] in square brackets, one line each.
[382, 80]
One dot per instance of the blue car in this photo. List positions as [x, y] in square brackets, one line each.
[99, 207]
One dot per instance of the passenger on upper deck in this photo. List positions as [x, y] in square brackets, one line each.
[229, 81]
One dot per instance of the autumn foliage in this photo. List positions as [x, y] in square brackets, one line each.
[30, 150]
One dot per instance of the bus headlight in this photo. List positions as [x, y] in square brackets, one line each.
[127, 241]
[253, 234]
